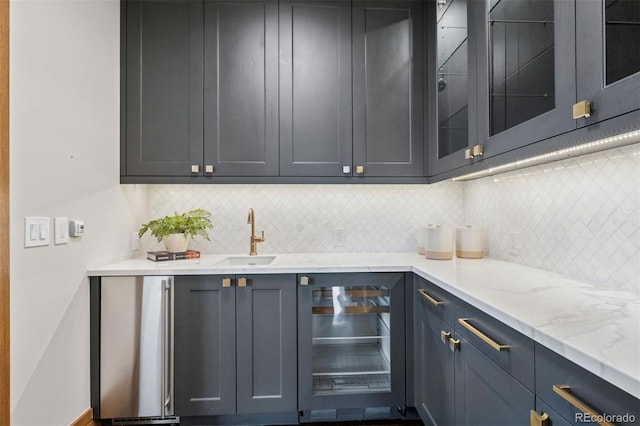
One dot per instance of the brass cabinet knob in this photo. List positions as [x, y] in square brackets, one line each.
[304, 280]
[195, 168]
[445, 336]
[208, 169]
[226, 282]
[582, 109]
[242, 282]
[359, 170]
[346, 169]
[538, 419]
[454, 344]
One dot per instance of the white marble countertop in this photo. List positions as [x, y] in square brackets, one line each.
[595, 327]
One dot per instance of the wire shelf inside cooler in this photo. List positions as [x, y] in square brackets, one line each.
[349, 360]
[351, 384]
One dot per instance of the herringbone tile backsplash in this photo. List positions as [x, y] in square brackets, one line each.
[579, 217]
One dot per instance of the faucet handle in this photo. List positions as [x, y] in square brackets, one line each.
[261, 238]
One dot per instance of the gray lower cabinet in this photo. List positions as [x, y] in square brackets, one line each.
[473, 370]
[578, 396]
[240, 88]
[235, 345]
[161, 87]
[388, 88]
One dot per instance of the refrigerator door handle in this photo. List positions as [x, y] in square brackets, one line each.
[167, 344]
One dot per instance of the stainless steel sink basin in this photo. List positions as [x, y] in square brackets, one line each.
[246, 260]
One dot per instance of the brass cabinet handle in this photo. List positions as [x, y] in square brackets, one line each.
[226, 282]
[208, 168]
[565, 392]
[242, 282]
[429, 298]
[445, 336]
[539, 419]
[304, 280]
[582, 109]
[489, 341]
[195, 168]
[359, 170]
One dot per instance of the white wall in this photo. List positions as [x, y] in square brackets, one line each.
[64, 162]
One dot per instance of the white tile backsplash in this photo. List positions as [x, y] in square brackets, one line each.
[579, 217]
[303, 218]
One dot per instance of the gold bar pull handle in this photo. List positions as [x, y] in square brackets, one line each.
[539, 419]
[488, 340]
[565, 392]
[226, 282]
[582, 109]
[242, 282]
[429, 298]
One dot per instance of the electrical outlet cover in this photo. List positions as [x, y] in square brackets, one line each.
[61, 229]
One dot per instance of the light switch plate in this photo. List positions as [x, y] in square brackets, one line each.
[36, 231]
[61, 228]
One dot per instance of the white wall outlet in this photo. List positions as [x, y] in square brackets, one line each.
[61, 230]
[339, 237]
[135, 241]
[513, 239]
[36, 231]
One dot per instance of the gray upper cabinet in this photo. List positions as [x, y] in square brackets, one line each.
[608, 57]
[315, 88]
[387, 88]
[240, 88]
[162, 87]
[526, 72]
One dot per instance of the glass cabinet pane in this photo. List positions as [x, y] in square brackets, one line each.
[453, 122]
[622, 35]
[351, 339]
[521, 61]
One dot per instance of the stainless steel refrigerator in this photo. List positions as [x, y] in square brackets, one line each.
[136, 350]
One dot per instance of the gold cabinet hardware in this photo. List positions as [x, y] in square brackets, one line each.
[582, 109]
[498, 347]
[195, 168]
[208, 169]
[242, 282]
[429, 298]
[565, 392]
[304, 280]
[445, 336]
[474, 151]
[454, 344]
[538, 419]
[226, 282]
[346, 170]
[359, 170]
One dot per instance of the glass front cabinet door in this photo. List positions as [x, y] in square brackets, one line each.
[451, 81]
[526, 72]
[608, 58]
[351, 345]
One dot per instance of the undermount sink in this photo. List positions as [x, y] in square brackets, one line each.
[246, 260]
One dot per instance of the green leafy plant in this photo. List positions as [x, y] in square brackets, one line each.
[195, 222]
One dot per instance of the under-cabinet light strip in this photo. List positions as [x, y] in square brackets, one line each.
[619, 140]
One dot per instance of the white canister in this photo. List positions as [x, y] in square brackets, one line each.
[470, 242]
[438, 242]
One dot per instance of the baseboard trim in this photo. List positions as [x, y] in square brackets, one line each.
[85, 419]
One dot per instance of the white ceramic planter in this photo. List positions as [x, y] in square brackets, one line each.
[175, 243]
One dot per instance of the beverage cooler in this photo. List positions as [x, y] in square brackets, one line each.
[351, 354]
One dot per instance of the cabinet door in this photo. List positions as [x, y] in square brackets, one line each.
[315, 88]
[608, 57]
[434, 370]
[267, 350]
[485, 394]
[205, 346]
[387, 88]
[526, 72]
[451, 77]
[241, 88]
[163, 91]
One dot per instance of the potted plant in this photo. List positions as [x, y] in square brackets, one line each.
[175, 230]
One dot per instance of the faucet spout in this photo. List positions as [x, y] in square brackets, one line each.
[253, 239]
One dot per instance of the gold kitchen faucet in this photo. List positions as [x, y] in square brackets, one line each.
[254, 240]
